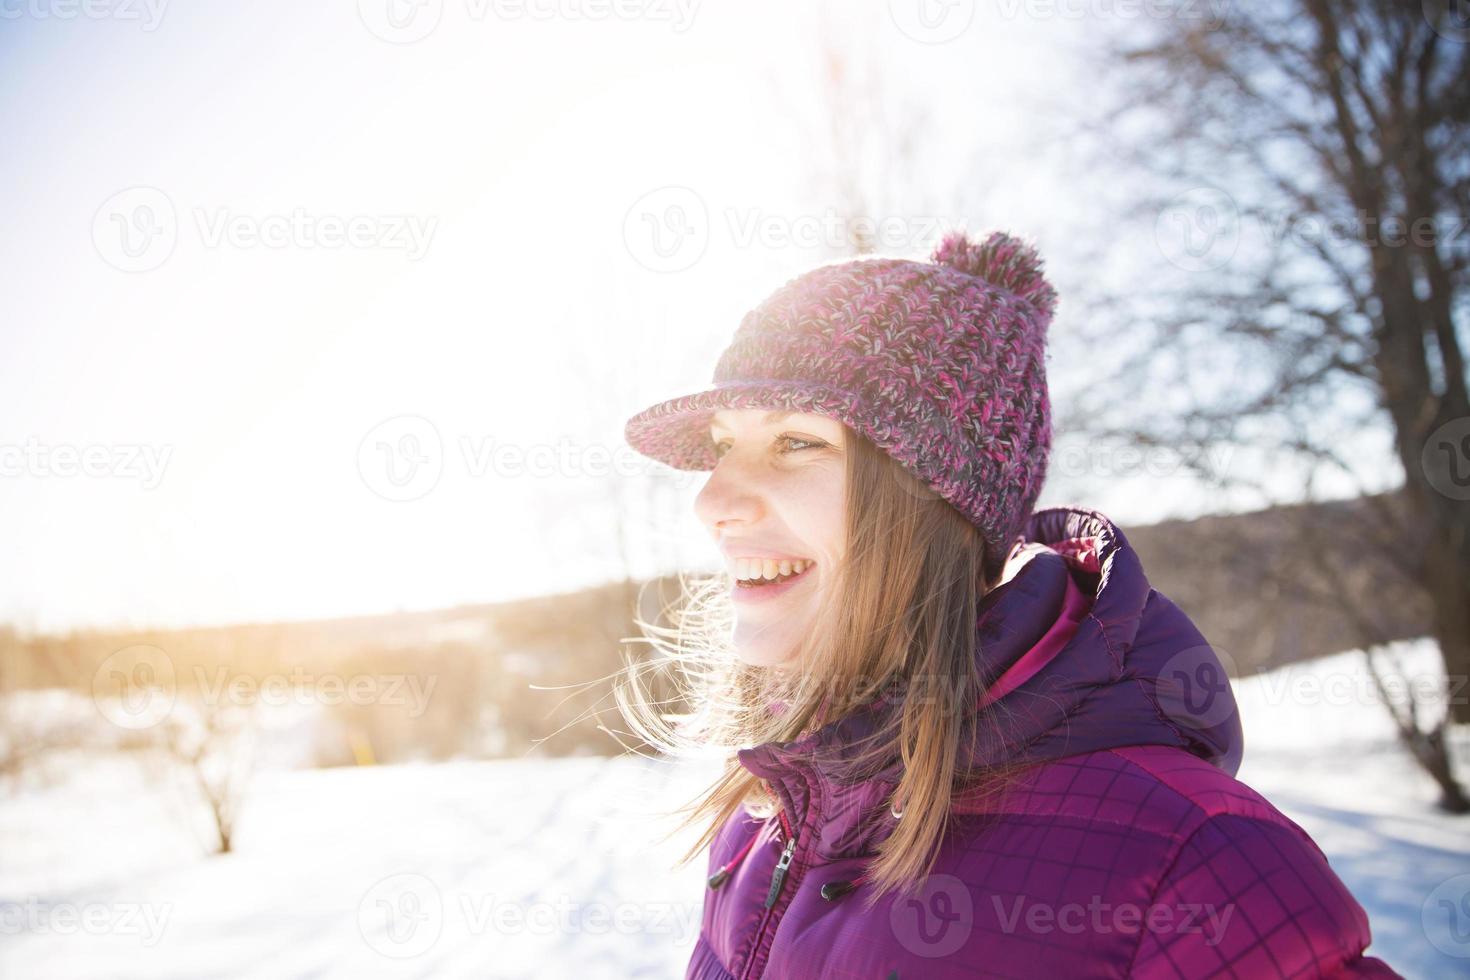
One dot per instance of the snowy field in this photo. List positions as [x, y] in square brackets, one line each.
[1320, 746]
[531, 869]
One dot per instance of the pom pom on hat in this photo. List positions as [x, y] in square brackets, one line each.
[1002, 260]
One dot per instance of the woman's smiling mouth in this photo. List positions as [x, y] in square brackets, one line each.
[758, 579]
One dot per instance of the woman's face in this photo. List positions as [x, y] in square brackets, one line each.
[776, 505]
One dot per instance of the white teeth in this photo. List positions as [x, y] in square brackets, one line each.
[753, 569]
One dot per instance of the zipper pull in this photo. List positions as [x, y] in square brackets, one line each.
[780, 875]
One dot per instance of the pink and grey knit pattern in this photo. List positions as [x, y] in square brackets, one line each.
[941, 364]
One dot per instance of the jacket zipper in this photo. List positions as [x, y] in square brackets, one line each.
[778, 879]
[780, 874]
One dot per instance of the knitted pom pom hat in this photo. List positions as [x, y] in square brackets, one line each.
[941, 364]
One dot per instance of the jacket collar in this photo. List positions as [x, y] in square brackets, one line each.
[1086, 656]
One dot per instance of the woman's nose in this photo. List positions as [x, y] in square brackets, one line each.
[727, 497]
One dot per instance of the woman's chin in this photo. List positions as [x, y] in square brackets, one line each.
[763, 648]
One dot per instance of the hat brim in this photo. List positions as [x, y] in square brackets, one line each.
[675, 432]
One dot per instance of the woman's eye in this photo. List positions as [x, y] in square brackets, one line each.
[722, 446]
[805, 443]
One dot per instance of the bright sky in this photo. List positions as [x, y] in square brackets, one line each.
[259, 257]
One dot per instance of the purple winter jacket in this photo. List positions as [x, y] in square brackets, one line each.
[1127, 849]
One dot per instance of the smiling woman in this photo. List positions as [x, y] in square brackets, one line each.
[966, 712]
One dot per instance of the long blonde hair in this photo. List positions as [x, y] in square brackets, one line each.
[901, 613]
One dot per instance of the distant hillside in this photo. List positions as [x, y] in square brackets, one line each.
[1240, 577]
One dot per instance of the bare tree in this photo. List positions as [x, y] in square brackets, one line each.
[868, 142]
[1342, 132]
[211, 743]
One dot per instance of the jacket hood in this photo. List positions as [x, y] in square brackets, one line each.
[1079, 653]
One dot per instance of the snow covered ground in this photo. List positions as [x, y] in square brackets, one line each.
[531, 868]
[1319, 745]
